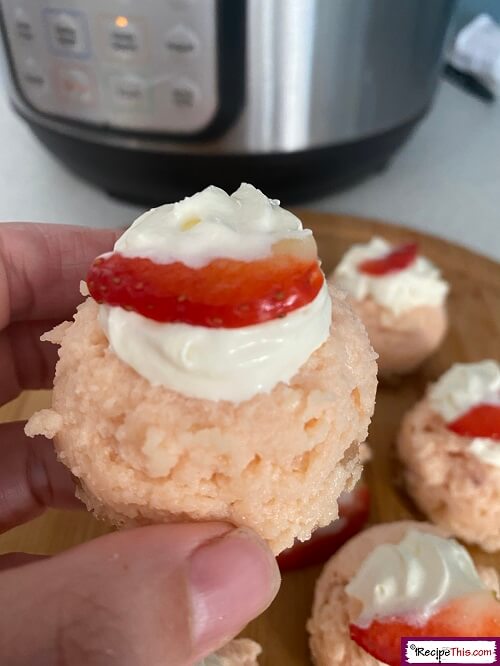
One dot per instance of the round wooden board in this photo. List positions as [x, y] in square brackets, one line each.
[474, 306]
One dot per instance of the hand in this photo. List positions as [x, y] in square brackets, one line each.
[164, 595]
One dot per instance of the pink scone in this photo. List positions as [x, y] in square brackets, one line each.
[330, 642]
[276, 463]
[449, 484]
[404, 341]
[240, 652]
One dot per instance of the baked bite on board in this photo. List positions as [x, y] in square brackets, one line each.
[449, 444]
[212, 374]
[354, 511]
[401, 298]
[394, 580]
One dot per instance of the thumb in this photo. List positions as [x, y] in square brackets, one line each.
[165, 594]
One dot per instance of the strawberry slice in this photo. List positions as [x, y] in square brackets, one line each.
[224, 293]
[354, 509]
[475, 615]
[400, 257]
[480, 421]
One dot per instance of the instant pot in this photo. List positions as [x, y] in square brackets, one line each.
[152, 100]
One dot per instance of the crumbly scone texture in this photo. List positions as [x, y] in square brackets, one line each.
[453, 487]
[405, 341]
[240, 652]
[330, 642]
[145, 454]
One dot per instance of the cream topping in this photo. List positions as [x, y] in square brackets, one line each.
[463, 386]
[415, 577]
[219, 363]
[486, 449]
[209, 225]
[420, 284]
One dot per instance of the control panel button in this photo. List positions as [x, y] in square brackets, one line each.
[75, 85]
[123, 37]
[185, 94]
[182, 41]
[68, 32]
[33, 77]
[129, 91]
[124, 40]
[23, 25]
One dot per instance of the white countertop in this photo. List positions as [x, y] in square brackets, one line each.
[445, 180]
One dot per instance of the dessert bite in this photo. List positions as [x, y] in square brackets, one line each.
[212, 375]
[449, 444]
[400, 297]
[354, 510]
[395, 580]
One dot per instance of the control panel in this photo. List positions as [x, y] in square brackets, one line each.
[150, 66]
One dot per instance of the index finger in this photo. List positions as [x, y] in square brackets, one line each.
[41, 266]
[31, 477]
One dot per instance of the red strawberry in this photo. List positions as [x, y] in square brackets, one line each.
[400, 257]
[354, 508]
[476, 615]
[225, 293]
[480, 421]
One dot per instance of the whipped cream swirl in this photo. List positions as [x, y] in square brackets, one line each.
[209, 225]
[420, 284]
[415, 577]
[463, 386]
[219, 363]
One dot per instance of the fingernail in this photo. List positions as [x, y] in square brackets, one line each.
[232, 580]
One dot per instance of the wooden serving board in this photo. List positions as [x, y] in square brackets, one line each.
[474, 306]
